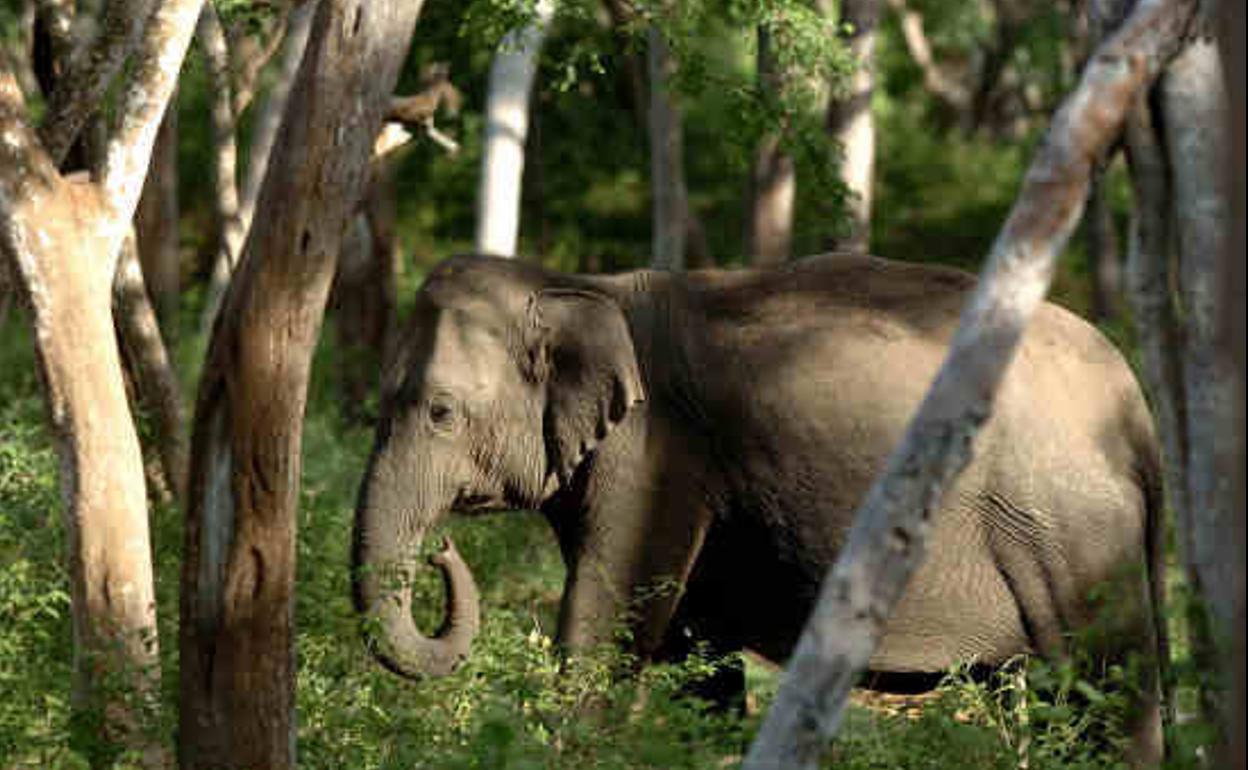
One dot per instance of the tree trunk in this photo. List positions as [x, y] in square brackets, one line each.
[1231, 341]
[506, 127]
[237, 640]
[669, 198]
[1103, 254]
[230, 233]
[156, 225]
[773, 180]
[64, 239]
[145, 357]
[887, 541]
[852, 126]
[363, 295]
[269, 113]
[1193, 111]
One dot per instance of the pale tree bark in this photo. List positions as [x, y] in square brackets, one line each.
[887, 541]
[852, 126]
[64, 239]
[229, 225]
[15, 51]
[236, 630]
[773, 180]
[941, 83]
[156, 225]
[669, 197]
[269, 114]
[506, 127]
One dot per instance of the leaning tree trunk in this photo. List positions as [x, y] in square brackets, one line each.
[851, 125]
[64, 239]
[669, 198]
[506, 127]
[237, 640]
[887, 541]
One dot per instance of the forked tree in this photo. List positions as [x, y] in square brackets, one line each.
[63, 237]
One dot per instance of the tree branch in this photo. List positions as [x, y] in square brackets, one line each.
[143, 103]
[939, 82]
[887, 541]
[80, 90]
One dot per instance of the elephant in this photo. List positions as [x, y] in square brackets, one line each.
[713, 432]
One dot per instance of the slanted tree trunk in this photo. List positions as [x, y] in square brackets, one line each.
[64, 239]
[506, 128]
[852, 126]
[156, 225]
[887, 541]
[237, 635]
[669, 197]
[773, 180]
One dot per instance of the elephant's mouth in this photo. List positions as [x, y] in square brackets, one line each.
[474, 503]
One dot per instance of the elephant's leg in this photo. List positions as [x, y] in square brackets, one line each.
[643, 526]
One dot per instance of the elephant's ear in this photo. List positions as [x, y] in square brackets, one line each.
[580, 348]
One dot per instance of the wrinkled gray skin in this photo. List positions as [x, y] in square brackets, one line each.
[713, 433]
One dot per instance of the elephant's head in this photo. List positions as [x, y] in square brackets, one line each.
[501, 385]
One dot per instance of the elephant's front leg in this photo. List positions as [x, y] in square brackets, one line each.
[644, 523]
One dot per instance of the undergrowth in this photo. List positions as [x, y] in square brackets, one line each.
[514, 704]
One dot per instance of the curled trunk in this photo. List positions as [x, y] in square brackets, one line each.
[384, 566]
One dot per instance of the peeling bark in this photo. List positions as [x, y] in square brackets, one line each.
[887, 541]
[236, 630]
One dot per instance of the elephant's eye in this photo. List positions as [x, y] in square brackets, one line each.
[441, 413]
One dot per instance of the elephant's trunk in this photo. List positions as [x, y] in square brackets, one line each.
[383, 568]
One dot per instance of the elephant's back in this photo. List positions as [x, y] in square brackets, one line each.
[806, 380]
